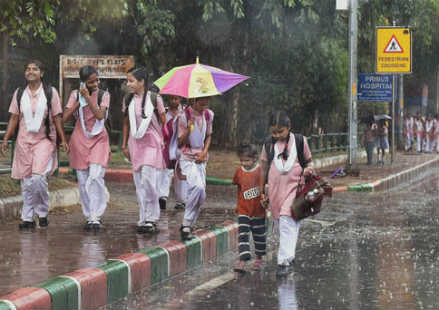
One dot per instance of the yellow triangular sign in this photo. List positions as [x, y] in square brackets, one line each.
[393, 46]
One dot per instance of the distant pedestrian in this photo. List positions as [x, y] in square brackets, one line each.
[144, 113]
[194, 137]
[369, 139]
[171, 154]
[285, 167]
[429, 134]
[251, 213]
[382, 141]
[90, 144]
[419, 128]
[36, 111]
[408, 129]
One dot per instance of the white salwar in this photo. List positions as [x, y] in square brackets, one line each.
[195, 189]
[147, 181]
[165, 182]
[288, 232]
[92, 192]
[180, 189]
[195, 177]
[428, 131]
[35, 190]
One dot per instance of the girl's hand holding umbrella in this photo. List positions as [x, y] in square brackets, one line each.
[190, 125]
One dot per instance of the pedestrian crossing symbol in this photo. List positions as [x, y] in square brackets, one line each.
[393, 46]
[393, 50]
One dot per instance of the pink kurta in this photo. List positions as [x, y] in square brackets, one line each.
[282, 187]
[147, 150]
[32, 149]
[198, 118]
[85, 151]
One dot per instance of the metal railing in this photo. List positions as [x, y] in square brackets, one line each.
[330, 142]
[3, 127]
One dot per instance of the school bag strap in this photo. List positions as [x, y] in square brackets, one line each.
[206, 114]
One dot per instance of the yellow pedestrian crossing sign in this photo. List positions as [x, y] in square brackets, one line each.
[393, 50]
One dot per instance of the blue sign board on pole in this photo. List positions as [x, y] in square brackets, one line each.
[374, 87]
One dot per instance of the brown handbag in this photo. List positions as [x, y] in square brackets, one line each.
[309, 197]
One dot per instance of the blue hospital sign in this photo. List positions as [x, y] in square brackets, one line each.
[374, 87]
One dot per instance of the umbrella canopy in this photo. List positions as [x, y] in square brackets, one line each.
[197, 80]
[380, 117]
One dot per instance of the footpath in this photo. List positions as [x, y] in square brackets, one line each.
[63, 267]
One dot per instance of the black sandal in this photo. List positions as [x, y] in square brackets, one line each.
[186, 233]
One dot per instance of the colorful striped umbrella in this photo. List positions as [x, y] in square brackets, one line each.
[197, 80]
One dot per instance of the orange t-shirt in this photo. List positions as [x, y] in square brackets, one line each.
[249, 198]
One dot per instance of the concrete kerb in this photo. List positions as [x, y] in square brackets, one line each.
[116, 278]
[126, 175]
[394, 179]
[10, 207]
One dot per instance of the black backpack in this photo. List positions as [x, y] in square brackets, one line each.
[48, 93]
[269, 148]
[101, 94]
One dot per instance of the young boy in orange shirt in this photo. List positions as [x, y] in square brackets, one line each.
[251, 213]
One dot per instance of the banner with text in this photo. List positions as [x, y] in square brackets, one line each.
[108, 66]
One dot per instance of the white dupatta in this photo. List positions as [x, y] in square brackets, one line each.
[282, 167]
[138, 133]
[33, 122]
[98, 125]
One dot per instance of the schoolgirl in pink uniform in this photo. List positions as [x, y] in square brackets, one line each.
[35, 155]
[89, 144]
[284, 175]
[409, 124]
[194, 137]
[429, 134]
[142, 133]
[171, 154]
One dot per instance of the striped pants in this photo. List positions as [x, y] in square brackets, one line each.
[257, 226]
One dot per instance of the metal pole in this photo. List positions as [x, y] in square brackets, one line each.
[352, 89]
[401, 112]
[392, 149]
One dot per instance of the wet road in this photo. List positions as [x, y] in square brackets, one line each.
[364, 251]
[30, 257]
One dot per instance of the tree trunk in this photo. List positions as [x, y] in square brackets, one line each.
[234, 117]
[437, 90]
[4, 86]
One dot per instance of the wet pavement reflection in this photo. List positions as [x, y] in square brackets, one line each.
[364, 251]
